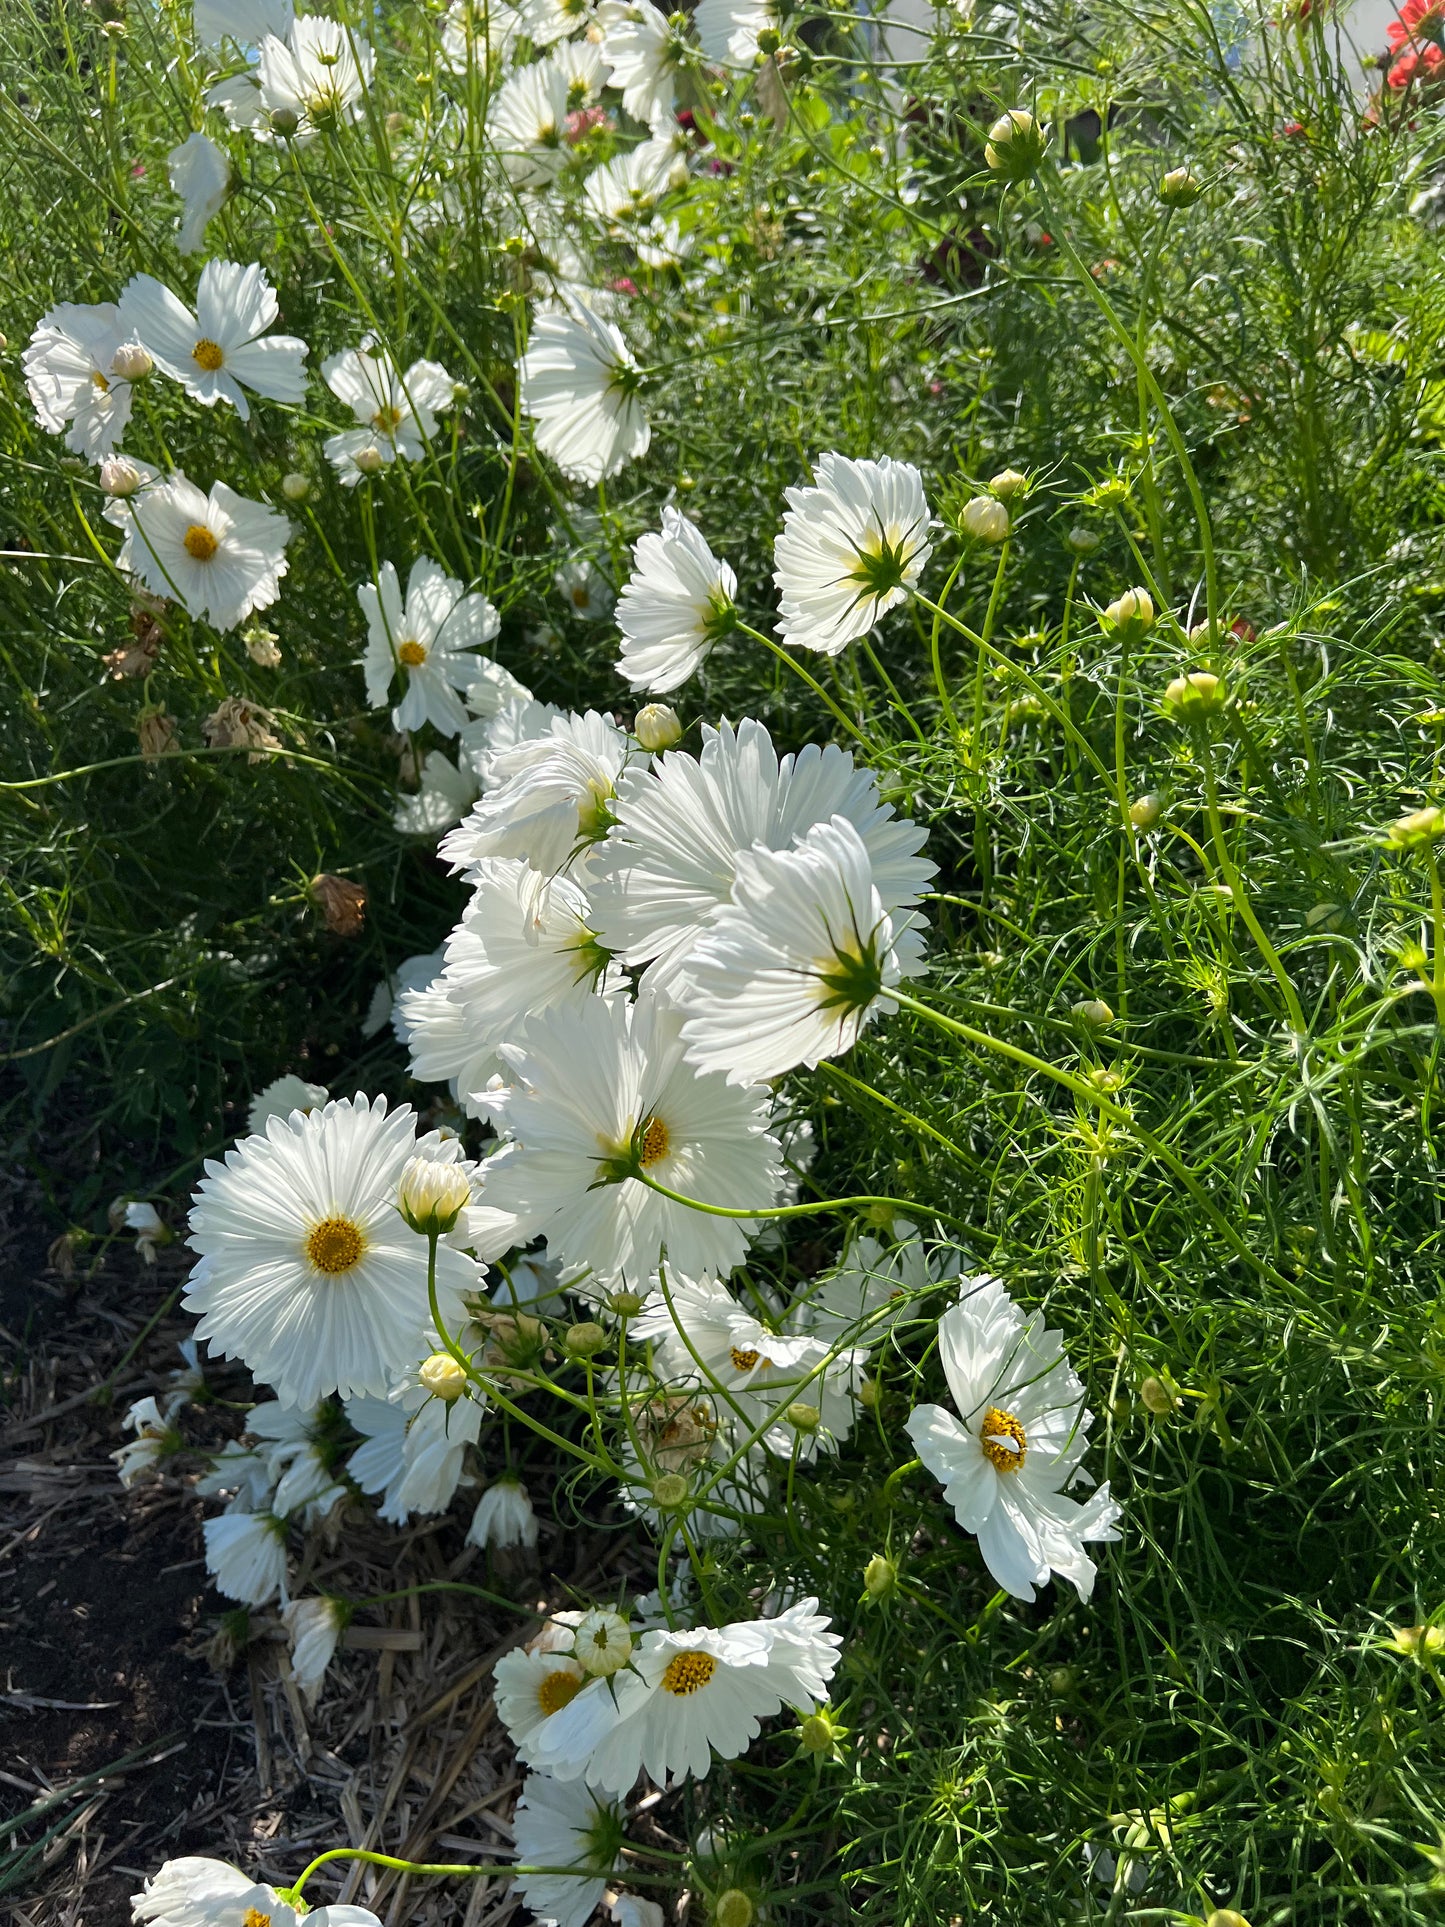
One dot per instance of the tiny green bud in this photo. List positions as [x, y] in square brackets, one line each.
[769, 40]
[1145, 811]
[295, 486]
[443, 1377]
[1008, 483]
[1157, 1397]
[803, 1417]
[1082, 541]
[583, 1340]
[284, 122]
[1104, 1080]
[670, 1491]
[1062, 1680]
[984, 520]
[880, 1576]
[1180, 188]
[626, 1304]
[734, 1908]
[1196, 695]
[868, 1393]
[1094, 1012]
[819, 1734]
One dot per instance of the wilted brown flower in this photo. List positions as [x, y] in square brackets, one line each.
[240, 724]
[341, 902]
[156, 730]
[136, 657]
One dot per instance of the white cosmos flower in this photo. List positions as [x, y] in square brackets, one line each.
[155, 1438]
[523, 946]
[580, 385]
[246, 1556]
[547, 797]
[237, 1475]
[475, 28]
[314, 79]
[223, 348]
[565, 1824]
[581, 65]
[414, 1452]
[551, 20]
[1007, 1467]
[644, 55]
[201, 174]
[687, 1696]
[313, 1627]
[280, 1098]
[604, 1091]
[247, 22]
[705, 1337]
[851, 546]
[219, 555]
[586, 591]
[729, 29]
[531, 1688]
[504, 1516]
[444, 797]
[527, 123]
[428, 638]
[623, 191]
[68, 373]
[307, 1270]
[670, 860]
[798, 963]
[678, 603]
[197, 1892]
[397, 412]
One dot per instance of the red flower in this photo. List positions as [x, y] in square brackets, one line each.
[1418, 20]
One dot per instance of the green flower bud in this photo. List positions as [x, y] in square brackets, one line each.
[1145, 811]
[583, 1340]
[880, 1576]
[1180, 188]
[1196, 695]
[803, 1417]
[1008, 483]
[626, 1304]
[734, 1908]
[1416, 829]
[296, 486]
[1156, 1397]
[1081, 540]
[1015, 145]
[670, 1492]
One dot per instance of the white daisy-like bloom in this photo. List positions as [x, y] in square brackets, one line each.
[873, 1289]
[1008, 1460]
[504, 1516]
[565, 1824]
[313, 1628]
[547, 798]
[201, 174]
[728, 30]
[70, 377]
[445, 795]
[622, 192]
[428, 638]
[851, 547]
[581, 65]
[397, 412]
[531, 1687]
[798, 963]
[239, 1476]
[670, 861]
[223, 348]
[412, 973]
[313, 80]
[475, 29]
[198, 1892]
[523, 946]
[688, 1696]
[307, 1271]
[583, 587]
[412, 1459]
[280, 1098]
[705, 1337]
[527, 123]
[246, 1556]
[678, 603]
[155, 1438]
[219, 555]
[604, 1092]
[247, 22]
[581, 386]
[644, 54]
[552, 20]
[521, 719]
[151, 1230]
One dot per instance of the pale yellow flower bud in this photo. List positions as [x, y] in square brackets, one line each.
[1195, 695]
[130, 362]
[1008, 483]
[984, 520]
[658, 726]
[443, 1377]
[1157, 1397]
[1132, 615]
[295, 486]
[1417, 828]
[1094, 1012]
[430, 1195]
[368, 460]
[602, 1644]
[1144, 811]
[1015, 145]
[1180, 188]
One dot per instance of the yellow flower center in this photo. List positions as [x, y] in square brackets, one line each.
[688, 1673]
[207, 355]
[412, 652]
[100, 381]
[579, 596]
[744, 1361]
[655, 1142]
[558, 1690]
[388, 420]
[199, 543]
[253, 1917]
[335, 1245]
[1002, 1439]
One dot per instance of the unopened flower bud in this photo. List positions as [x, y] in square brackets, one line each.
[1145, 810]
[880, 1576]
[769, 40]
[1195, 695]
[1180, 188]
[984, 520]
[626, 1304]
[583, 1340]
[658, 726]
[602, 1643]
[1062, 1680]
[119, 476]
[1104, 1080]
[1081, 540]
[803, 1417]
[1094, 1012]
[1156, 1396]
[818, 1734]
[431, 1194]
[868, 1393]
[1008, 483]
[295, 486]
[734, 1908]
[1416, 829]
[284, 122]
[443, 1377]
[1225, 1917]
[130, 362]
[1132, 615]
[669, 1492]
[1418, 1641]
[1015, 145]
[368, 460]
